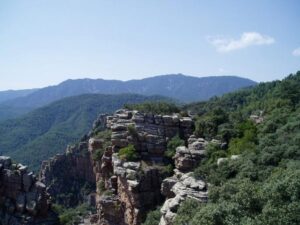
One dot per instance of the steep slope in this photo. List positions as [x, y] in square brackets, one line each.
[181, 87]
[46, 131]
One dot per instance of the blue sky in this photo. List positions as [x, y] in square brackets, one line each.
[45, 42]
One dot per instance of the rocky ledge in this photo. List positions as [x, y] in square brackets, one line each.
[182, 185]
[23, 198]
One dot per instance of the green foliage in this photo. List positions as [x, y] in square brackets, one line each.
[105, 136]
[262, 186]
[153, 217]
[172, 145]
[154, 107]
[71, 216]
[207, 126]
[101, 186]
[246, 140]
[186, 211]
[132, 131]
[97, 154]
[108, 193]
[167, 170]
[128, 153]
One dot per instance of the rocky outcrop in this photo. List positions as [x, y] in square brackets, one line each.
[131, 189]
[23, 198]
[67, 174]
[71, 177]
[187, 158]
[183, 185]
[147, 132]
[258, 117]
[178, 188]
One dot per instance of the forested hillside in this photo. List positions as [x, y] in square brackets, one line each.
[261, 185]
[47, 131]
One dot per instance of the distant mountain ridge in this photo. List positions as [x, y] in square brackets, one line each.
[11, 94]
[177, 86]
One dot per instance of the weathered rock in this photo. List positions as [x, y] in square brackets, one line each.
[151, 131]
[188, 158]
[23, 200]
[185, 187]
[68, 173]
[95, 144]
[166, 187]
[5, 161]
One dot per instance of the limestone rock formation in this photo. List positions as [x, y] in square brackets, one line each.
[23, 198]
[181, 186]
[187, 158]
[149, 133]
[66, 174]
[131, 189]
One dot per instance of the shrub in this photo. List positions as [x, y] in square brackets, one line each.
[70, 216]
[101, 186]
[132, 131]
[186, 211]
[97, 154]
[172, 145]
[128, 153]
[153, 217]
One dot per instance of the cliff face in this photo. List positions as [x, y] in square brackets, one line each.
[182, 184]
[126, 190]
[23, 198]
[66, 174]
[135, 186]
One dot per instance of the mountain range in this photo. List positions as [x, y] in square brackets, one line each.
[177, 86]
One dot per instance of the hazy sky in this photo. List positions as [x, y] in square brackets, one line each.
[44, 42]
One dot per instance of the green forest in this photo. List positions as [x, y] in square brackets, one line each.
[262, 184]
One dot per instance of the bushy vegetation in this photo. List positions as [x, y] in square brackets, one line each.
[262, 186]
[153, 217]
[172, 145]
[128, 153]
[154, 107]
[106, 137]
[70, 216]
[132, 131]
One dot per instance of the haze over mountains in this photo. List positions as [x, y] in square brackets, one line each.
[11, 94]
[177, 86]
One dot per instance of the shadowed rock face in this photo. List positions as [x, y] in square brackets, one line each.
[66, 174]
[23, 199]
